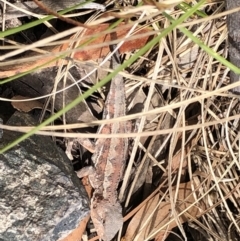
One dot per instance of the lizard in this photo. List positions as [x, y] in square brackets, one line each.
[109, 162]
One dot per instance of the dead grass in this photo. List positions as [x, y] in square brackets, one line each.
[187, 129]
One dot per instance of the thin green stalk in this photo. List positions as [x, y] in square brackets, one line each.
[205, 47]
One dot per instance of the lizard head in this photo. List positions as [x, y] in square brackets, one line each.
[107, 219]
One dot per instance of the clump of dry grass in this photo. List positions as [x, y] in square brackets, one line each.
[186, 146]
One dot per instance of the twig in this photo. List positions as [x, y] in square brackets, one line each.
[68, 20]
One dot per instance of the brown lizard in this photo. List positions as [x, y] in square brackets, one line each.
[109, 162]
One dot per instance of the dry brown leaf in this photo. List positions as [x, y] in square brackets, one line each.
[25, 106]
[177, 160]
[90, 54]
[87, 186]
[161, 216]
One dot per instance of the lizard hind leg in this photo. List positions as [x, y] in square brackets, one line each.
[107, 219]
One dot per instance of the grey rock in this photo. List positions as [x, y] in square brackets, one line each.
[40, 196]
[42, 82]
[233, 22]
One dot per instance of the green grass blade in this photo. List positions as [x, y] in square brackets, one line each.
[205, 47]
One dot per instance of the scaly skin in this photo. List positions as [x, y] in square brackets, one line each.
[109, 162]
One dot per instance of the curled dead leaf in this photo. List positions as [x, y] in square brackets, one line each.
[155, 220]
[25, 106]
[83, 54]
